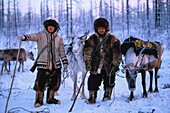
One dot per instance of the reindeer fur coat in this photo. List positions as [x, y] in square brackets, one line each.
[111, 51]
[47, 57]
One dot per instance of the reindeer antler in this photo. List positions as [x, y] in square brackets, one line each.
[86, 33]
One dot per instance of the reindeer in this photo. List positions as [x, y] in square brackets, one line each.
[139, 58]
[8, 55]
[76, 62]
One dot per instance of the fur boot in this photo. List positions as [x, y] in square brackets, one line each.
[107, 94]
[92, 97]
[39, 99]
[50, 97]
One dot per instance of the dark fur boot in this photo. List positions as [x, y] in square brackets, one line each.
[92, 97]
[107, 94]
[50, 97]
[39, 99]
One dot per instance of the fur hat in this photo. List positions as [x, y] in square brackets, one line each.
[101, 22]
[51, 22]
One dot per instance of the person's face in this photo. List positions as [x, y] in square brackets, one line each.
[50, 29]
[101, 30]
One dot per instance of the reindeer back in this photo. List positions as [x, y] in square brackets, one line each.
[153, 55]
[160, 49]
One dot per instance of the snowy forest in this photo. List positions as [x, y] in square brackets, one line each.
[146, 19]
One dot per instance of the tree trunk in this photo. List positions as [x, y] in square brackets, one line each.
[127, 15]
[157, 14]
[67, 20]
[111, 16]
[71, 17]
[148, 20]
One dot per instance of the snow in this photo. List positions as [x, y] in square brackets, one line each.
[23, 96]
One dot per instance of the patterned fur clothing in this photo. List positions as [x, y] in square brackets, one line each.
[110, 55]
[58, 52]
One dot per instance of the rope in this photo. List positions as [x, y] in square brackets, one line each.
[17, 109]
[120, 75]
[110, 74]
[13, 77]
[64, 77]
[110, 78]
[113, 97]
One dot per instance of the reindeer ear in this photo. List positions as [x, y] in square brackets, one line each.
[31, 53]
[80, 37]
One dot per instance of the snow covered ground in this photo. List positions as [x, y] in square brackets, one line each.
[23, 95]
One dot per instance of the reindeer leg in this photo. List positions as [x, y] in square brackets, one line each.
[151, 79]
[74, 79]
[2, 67]
[5, 67]
[77, 88]
[9, 64]
[19, 66]
[156, 80]
[83, 70]
[74, 89]
[83, 96]
[143, 73]
[22, 66]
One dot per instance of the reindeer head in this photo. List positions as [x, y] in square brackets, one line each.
[131, 75]
[31, 55]
[78, 43]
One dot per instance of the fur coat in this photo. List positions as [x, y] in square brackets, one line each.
[51, 54]
[110, 54]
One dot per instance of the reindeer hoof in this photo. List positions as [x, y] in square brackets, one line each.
[145, 95]
[72, 98]
[150, 90]
[83, 96]
[131, 98]
[156, 90]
